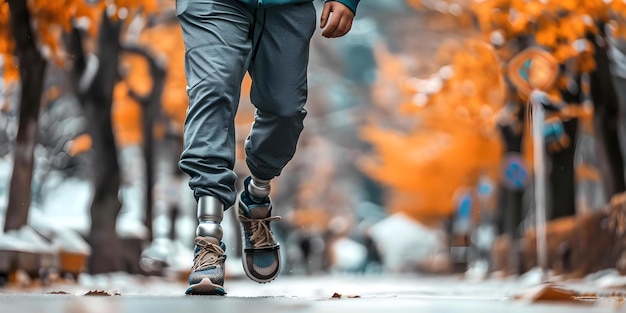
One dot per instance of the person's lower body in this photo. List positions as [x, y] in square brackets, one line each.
[224, 39]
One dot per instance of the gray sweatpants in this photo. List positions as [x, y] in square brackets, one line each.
[218, 51]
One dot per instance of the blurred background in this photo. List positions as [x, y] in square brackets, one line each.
[418, 153]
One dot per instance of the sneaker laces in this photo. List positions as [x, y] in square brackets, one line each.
[208, 255]
[262, 236]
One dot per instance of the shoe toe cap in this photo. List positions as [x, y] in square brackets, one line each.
[264, 266]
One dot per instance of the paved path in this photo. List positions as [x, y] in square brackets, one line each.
[300, 294]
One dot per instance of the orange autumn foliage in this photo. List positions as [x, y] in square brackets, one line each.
[137, 75]
[167, 42]
[126, 112]
[558, 26]
[454, 142]
[7, 46]
[52, 18]
[78, 145]
[126, 117]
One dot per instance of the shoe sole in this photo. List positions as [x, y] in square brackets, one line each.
[205, 288]
[254, 278]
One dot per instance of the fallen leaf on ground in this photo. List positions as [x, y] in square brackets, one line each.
[58, 293]
[549, 293]
[588, 296]
[102, 293]
[338, 296]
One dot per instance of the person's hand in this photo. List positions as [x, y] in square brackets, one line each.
[336, 18]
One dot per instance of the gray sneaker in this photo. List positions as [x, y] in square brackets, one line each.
[261, 257]
[207, 272]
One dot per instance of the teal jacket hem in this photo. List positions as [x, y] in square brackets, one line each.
[352, 4]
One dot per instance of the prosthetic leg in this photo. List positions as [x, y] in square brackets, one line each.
[207, 272]
[261, 255]
[259, 189]
[210, 214]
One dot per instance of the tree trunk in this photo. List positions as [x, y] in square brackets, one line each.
[148, 153]
[606, 123]
[150, 113]
[510, 213]
[32, 69]
[150, 105]
[562, 193]
[106, 246]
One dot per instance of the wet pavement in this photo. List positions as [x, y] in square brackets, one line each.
[407, 293]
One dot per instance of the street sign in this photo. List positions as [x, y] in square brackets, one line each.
[515, 174]
[532, 69]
